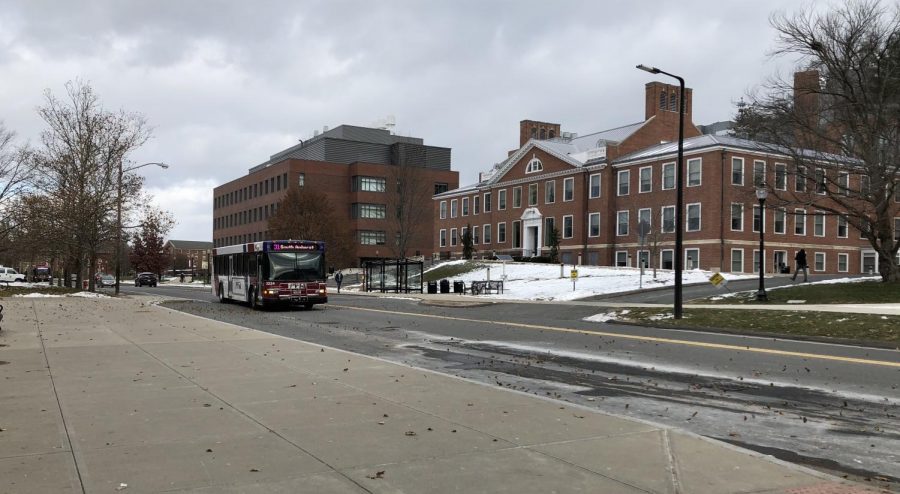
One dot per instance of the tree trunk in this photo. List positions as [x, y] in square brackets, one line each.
[887, 268]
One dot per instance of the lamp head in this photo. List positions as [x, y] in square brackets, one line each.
[652, 70]
[762, 191]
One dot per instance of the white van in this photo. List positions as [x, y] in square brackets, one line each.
[11, 275]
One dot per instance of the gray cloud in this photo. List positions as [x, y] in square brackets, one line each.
[226, 84]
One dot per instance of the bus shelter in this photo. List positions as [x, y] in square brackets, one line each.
[393, 275]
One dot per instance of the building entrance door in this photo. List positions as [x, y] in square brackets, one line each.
[532, 225]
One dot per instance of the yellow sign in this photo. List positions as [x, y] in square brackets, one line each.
[574, 274]
[717, 279]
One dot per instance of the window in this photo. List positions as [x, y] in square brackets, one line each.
[757, 219]
[668, 219]
[755, 261]
[487, 234]
[737, 260]
[759, 173]
[842, 229]
[843, 263]
[820, 261]
[644, 217]
[819, 224]
[820, 181]
[622, 258]
[443, 237]
[465, 206]
[487, 202]
[568, 227]
[534, 166]
[453, 238]
[594, 225]
[517, 234]
[737, 217]
[646, 176]
[624, 176]
[668, 176]
[780, 176]
[667, 259]
[694, 172]
[532, 194]
[462, 235]
[691, 258]
[476, 204]
[368, 211]
[501, 200]
[369, 184]
[780, 220]
[369, 237]
[501, 233]
[441, 187]
[595, 186]
[301, 180]
[622, 223]
[844, 183]
[517, 197]
[476, 234]
[799, 222]
[896, 229]
[549, 226]
[443, 210]
[693, 217]
[737, 176]
[550, 192]
[453, 204]
[568, 189]
[800, 179]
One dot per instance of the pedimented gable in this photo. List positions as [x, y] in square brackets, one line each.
[533, 160]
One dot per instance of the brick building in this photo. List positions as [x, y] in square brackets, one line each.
[352, 166]
[595, 189]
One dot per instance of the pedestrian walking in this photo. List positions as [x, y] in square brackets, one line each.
[800, 258]
[338, 278]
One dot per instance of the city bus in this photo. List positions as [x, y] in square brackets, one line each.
[271, 272]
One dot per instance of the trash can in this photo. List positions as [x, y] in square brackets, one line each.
[445, 286]
[84, 284]
[459, 287]
[432, 287]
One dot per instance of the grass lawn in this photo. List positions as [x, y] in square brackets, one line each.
[866, 292]
[850, 326]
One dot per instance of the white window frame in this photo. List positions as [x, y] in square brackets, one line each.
[843, 182]
[619, 183]
[816, 257]
[502, 202]
[798, 214]
[622, 253]
[846, 262]
[662, 219]
[454, 203]
[518, 189]
[550, 187]
[687, 216]
[443, 237]
[569, 180]
[619, 223]
[486, 239]
[476, 234]
[648, 213]
[686, 257]
[816, 216]
[665, 168]
[800, 179]
[775, 214]
[534, 166]
[734, 161]
[690, 163]
[571, 220]
[662, 257]
[465, 206]
[453, 237]
[591, 218]
[641, 170]
[823, 184]
[536, 196]
[761, 164]
[486, 200]
[443, 208]
[762, 219]
[591, 194]
[781, 170]
[842, 222]
[733, 259]
[741, 217]
[501, 232]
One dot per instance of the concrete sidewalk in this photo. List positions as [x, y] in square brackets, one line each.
[106, 395]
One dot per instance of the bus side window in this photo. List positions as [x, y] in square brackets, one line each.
[253, 258]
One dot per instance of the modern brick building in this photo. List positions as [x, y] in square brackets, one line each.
[596, 188]
[352, 166]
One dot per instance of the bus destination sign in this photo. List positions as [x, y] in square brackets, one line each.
[283, 245]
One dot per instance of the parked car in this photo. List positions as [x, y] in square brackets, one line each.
[142, 279]
[105, 280]
[11, 275]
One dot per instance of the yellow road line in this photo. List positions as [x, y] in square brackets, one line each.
[719, 346]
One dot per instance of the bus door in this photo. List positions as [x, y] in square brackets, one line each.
[230, 291]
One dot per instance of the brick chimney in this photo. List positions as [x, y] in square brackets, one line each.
[529, 129]
[662, 101]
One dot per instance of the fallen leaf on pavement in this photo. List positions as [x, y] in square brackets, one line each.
[410, 433]
[378, 475]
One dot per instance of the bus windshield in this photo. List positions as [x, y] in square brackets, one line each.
[294, 266]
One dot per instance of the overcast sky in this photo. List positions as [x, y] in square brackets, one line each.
[226, 84]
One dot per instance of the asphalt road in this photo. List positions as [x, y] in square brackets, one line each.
[833, 407]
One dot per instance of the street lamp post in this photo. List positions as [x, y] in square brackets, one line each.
[679, 192]
[119, 215]
[761, 193]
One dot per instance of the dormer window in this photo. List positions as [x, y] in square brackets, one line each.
[543, 134]
[534, 165]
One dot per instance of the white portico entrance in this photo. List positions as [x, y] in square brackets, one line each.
[531, 229]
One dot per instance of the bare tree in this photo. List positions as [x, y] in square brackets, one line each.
[408, 192]
[82, 149]
[15, 173]
[308, 215]
[838, 120]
